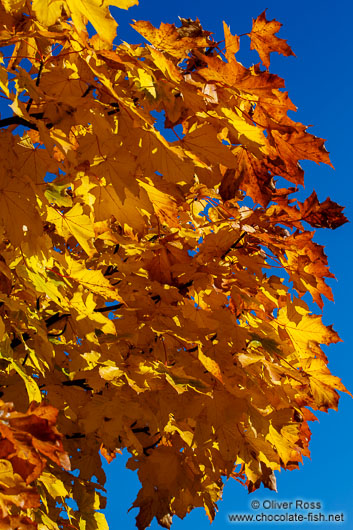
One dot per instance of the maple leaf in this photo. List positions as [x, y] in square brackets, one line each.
[26, 439]
[250, 175]
[74, 223]
[264, 40]
[325, 214]
[94, 11]
[175, 41]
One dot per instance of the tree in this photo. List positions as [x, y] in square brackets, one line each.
[142, 294]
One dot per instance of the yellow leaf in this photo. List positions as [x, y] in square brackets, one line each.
[42, 282]
[204, 143]
[283, 444]
[31, 386]
[323, 384]
[4, 78]
[100, 521]
[130, 212]
[91, 279]
[18, 202]
[303, 327]
[163, 204]
[146, 82]
[12, 6]
[97, 12]
[53, 484]
[2, 328]
[47, 522]
[110, 372]
[6, 474]
[47, 12]
[165, 65]
[74, 223]
[85, 306]
[249, 135]
[211, 365]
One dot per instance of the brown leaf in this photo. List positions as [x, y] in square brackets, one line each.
[174, 41]
[191, 28]
[250, 175]
[327, 214]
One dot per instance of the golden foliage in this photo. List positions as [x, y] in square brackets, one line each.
[142, 304]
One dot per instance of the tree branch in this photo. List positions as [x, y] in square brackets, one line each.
[17, 120]
[107, 308]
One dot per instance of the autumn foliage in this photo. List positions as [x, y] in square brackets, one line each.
[142, 295]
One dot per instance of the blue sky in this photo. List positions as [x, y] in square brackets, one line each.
[319, 82]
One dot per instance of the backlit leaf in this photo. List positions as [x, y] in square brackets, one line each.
[264, 40]
[153, 271]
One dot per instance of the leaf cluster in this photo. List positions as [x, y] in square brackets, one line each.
[142, 299]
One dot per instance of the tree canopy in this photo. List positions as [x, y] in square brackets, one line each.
[151, 291]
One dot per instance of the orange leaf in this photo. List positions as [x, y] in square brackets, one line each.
[264, 40]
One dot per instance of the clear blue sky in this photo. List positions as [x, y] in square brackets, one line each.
[319, 81]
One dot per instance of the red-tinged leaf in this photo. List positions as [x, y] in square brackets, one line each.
[326, 214]
[25, 439]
